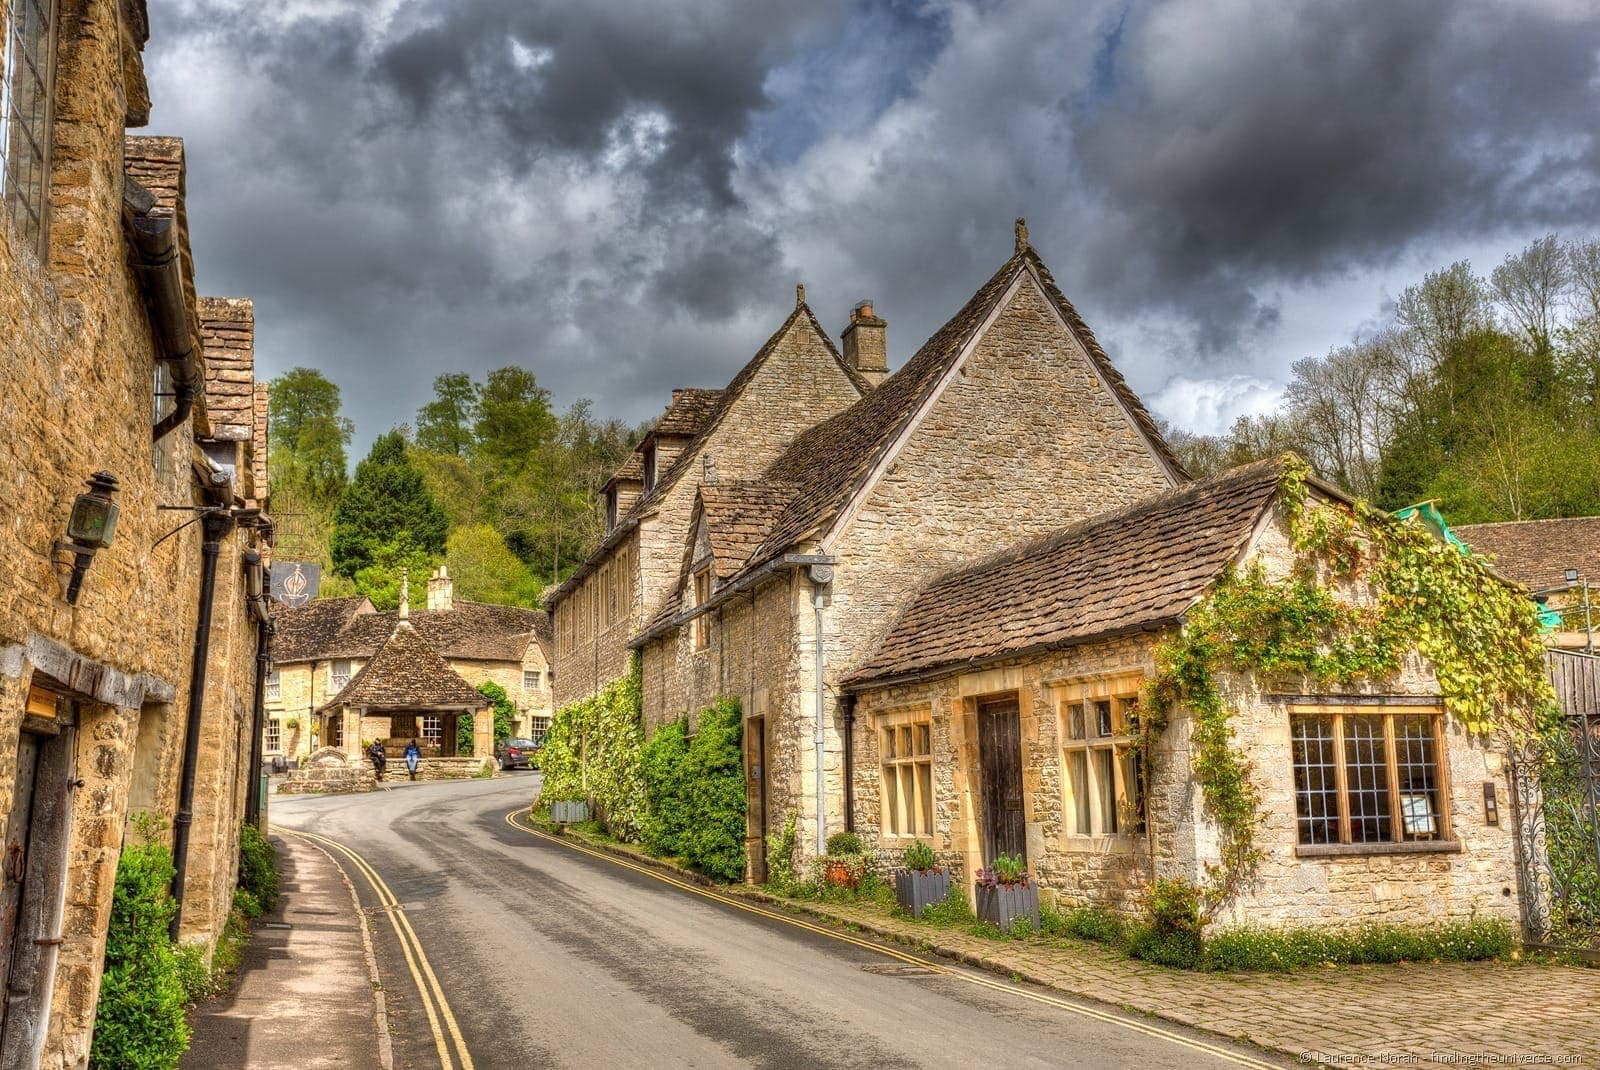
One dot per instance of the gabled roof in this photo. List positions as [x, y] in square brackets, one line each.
[713, 415]
[738, 517]
[831, 462]
[478, 631]
[689, 412]
[1136, 569]
[405, 673]
[299, 632]
[1538, 553]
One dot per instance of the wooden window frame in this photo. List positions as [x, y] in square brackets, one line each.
[334, 684]
[902, 819]
[538, 678]
[1443, 839]
[274, 740]
[27, 212]
[436, 738]
[274, 686]
[700, 592]
[1126, 817]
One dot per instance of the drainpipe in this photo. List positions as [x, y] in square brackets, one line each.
[820, 576]
[153, 243]
[217, 523]
[847, 706]
[257, 587]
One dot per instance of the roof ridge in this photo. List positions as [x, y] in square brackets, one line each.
[1510, 523]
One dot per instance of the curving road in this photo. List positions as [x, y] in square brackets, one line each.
[546, 956]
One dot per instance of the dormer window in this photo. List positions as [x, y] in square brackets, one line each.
[649, 467]
[27, 116]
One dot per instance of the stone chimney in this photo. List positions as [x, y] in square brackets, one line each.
[864, 344]
[441, 591]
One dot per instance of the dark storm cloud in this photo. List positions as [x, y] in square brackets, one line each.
[621, 195]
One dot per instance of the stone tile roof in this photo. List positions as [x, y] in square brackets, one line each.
[738, 518]
[407, 672]
[475, 631]
[299, 633]
[260, 425]
[830, 462]
[713, 414]
[1136, 569]
[1537, 553]
[689, 412]
[227, 337]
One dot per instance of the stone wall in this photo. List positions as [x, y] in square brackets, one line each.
[798, 385]
[1362, 885]
[79, 366]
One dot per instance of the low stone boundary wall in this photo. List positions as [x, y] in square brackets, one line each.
[441, 768]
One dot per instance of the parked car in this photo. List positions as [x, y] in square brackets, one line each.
[518, 754]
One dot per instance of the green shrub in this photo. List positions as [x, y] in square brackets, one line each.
[952, 910]
[1094, 923]
[193, 973]
[920, 857]
[592, 752]
[1178, 948]
[258, 868]
[505, 711]
[662, 763]
[245, 902]
[713, 772]
[140, 1022]
[1171, 934]
[1250, 948]
[845, 843]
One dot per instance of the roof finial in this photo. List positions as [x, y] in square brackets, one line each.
[405, 594]
[799, 295]
[1022, 234]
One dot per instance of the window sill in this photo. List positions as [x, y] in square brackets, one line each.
[1099, 843]
[1349, 850]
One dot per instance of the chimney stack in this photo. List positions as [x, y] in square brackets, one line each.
[865, 346]
[441, 591]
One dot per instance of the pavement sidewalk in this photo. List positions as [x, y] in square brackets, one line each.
[307, 994]
[1479, 1013]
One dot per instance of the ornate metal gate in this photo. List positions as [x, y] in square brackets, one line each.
[1555, 792]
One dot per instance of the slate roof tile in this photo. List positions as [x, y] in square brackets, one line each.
[1538, 553]
[472, 630]
[407, 672]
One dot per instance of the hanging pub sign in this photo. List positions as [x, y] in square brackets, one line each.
[294, 583]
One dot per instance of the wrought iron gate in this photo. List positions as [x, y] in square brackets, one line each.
[1555, 792]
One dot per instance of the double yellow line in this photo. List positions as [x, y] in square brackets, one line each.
[441, 1020]
[932, 966]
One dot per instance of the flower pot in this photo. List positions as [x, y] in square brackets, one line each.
[839, 873]
[917, 889]
[1003, 904]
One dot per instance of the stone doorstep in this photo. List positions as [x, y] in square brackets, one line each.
[1119, 984]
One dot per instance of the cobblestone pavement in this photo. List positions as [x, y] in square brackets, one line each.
[1350, 1015]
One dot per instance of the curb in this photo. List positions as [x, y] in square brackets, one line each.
[966, 958]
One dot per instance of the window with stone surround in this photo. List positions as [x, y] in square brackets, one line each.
[274, 686]
[339, 676]
[538, 728]
[1367, 774]
[1102, 781]
[27, 116]
[530, 679]
[274, 734]
[700, 627]
[905, 754]
[432, 728]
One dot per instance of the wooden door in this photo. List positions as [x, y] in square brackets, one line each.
[1003, 822]
[755, 765]
[15, 860]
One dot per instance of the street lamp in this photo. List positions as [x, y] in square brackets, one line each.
[90, 528]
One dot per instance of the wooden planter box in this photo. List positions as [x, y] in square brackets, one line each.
[918, 889]
[1005, 903]
[567, 811]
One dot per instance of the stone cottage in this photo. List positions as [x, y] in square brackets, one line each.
[115, 374]
[1558, 561]
[324, 668]
[997, 717]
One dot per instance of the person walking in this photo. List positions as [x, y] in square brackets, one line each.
[379, 758]
[413, 756]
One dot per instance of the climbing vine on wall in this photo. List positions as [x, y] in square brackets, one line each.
[1401, 588]
[592, 751]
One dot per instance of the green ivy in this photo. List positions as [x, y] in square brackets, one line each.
[669, 817]
[713, 774]
[593, 752]
[505, 711]
[1480, 635]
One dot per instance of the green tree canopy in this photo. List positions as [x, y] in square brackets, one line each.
[306, 433]
[446, 424]
[485, 570]
[386, 503]
[514, 419]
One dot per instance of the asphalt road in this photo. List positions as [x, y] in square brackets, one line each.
[549, 957]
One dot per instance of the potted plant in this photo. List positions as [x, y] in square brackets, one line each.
[1005, 892]
[291, 723]
[844, 865]
[922, 882]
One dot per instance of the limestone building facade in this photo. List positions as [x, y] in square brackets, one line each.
[322, 649]
[103, 359]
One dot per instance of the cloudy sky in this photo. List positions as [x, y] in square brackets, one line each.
[621, 194]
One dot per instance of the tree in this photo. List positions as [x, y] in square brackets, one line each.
[307, 435]
[485, 570]
[445, 424]
[505, 711]
[1444, 308]
[1530, 286]
[386, 503]
[389, 564]
[514, 419]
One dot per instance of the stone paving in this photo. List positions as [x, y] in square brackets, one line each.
[1444, 1014]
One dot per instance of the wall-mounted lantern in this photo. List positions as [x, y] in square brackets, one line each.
[90, 528]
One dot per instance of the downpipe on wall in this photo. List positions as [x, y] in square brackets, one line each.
[821, 576]
[258, 582]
